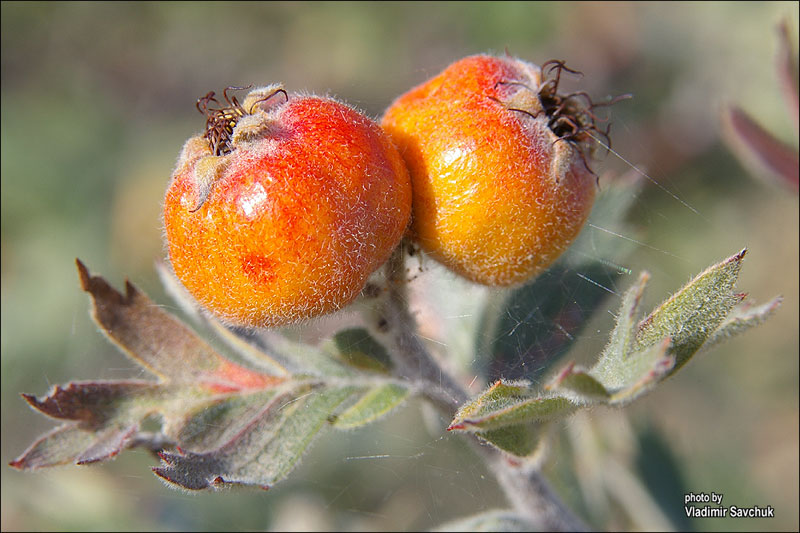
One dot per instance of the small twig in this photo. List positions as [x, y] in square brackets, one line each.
[525, 488]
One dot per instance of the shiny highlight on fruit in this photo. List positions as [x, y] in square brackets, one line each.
[499, 163]
[283, 207]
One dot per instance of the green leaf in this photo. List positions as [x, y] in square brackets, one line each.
[639, 355]
[509, 416]
[497, 520]
[229, 416]
[583, 386]
[609, 369]
[699, 315]
[694, 312]
[372, 405]
[740, 319]
[520, 440]
[622, 372]
[508, 403]
[356, 347]
[643, 371]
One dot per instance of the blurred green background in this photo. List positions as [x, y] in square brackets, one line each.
[98, 98]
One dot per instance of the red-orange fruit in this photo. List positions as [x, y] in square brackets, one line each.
[284, 207]
[499, 165]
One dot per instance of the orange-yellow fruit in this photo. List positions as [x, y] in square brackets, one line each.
[498, 163]
[285, 206]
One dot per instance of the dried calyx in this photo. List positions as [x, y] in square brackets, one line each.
[222, 118]
[570, 117]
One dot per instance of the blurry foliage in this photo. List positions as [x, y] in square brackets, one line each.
[98, 98]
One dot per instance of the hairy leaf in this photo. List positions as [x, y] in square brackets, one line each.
[690, 315]
[160, 342]
[740, 319]
[70, 444]
[509, 415]
[266, 449]
[578, 381]
[507, 404]
[372, 405]
[520, 440]
[221, 422]
[639, 355]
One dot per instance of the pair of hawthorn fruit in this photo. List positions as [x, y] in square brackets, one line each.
[287, 203]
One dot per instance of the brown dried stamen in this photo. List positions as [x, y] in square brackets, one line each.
[266, 98]
[221, 119]
[569, 118]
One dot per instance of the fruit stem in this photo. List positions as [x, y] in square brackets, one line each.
[524, 487]
[411, 356]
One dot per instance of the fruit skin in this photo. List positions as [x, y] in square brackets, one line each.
[497, 195]
[289, 225]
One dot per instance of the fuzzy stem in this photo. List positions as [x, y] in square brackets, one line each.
[530, 494]
[525, 488]
[411, 356]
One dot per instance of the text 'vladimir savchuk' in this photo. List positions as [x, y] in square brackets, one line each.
[713, 507]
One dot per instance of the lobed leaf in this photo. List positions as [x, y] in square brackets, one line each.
[160, 342]
[639, 355]
[264, 451]
[221, 422]
[92, 403]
